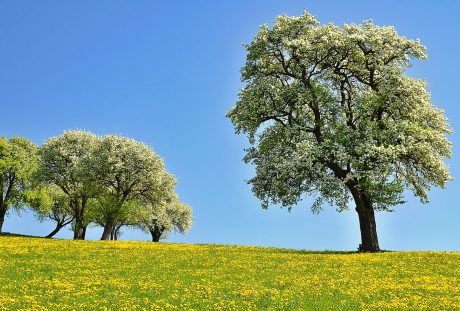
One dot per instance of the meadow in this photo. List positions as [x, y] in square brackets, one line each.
[51, 274]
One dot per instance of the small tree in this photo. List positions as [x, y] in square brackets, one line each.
[165, 216]
[51, 203]
[127, 171]
[64, 162]
[18, 162]
[330, 112]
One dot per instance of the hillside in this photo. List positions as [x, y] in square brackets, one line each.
[41, 274]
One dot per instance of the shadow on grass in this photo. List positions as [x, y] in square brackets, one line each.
[326, 252]
[292, 251]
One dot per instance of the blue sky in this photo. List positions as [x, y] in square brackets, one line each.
[166, 73]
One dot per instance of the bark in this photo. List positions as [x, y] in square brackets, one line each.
[108, 230]
[156, 234]
[79, 230]
[60, 223]
[369, 240]
[79, 225]
[59, 226]
[2, 217]
[116, 232]
[4, 197]
[113, 234]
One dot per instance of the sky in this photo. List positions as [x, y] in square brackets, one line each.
[166, 73]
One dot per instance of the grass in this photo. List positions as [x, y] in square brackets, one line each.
[40, 274]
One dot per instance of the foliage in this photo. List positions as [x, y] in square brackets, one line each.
[43, 274]
[64, 162]
[180, 217]
[106, 206]
[18, 162]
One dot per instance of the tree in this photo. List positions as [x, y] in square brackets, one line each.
[329, 111]
[128, 171]
[51, 203]
[164, 218]
[18, 161]
[164, 212]
[64, 162]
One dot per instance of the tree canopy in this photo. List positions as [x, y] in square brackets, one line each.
[330, 112]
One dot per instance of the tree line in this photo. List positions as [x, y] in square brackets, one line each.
[81, 179]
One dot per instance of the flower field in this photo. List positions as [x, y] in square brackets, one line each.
[45, 274]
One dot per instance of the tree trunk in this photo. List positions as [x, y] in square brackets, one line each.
[59, 226]
[79, 230]
[108, 229]
[116, 232]
[2, 217]
[156, 234]
[369, 240]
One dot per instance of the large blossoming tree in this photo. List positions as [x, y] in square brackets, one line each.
[330, 112]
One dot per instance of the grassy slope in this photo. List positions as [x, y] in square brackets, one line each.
[62, 274]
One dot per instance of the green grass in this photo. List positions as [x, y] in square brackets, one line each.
[39, 274]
